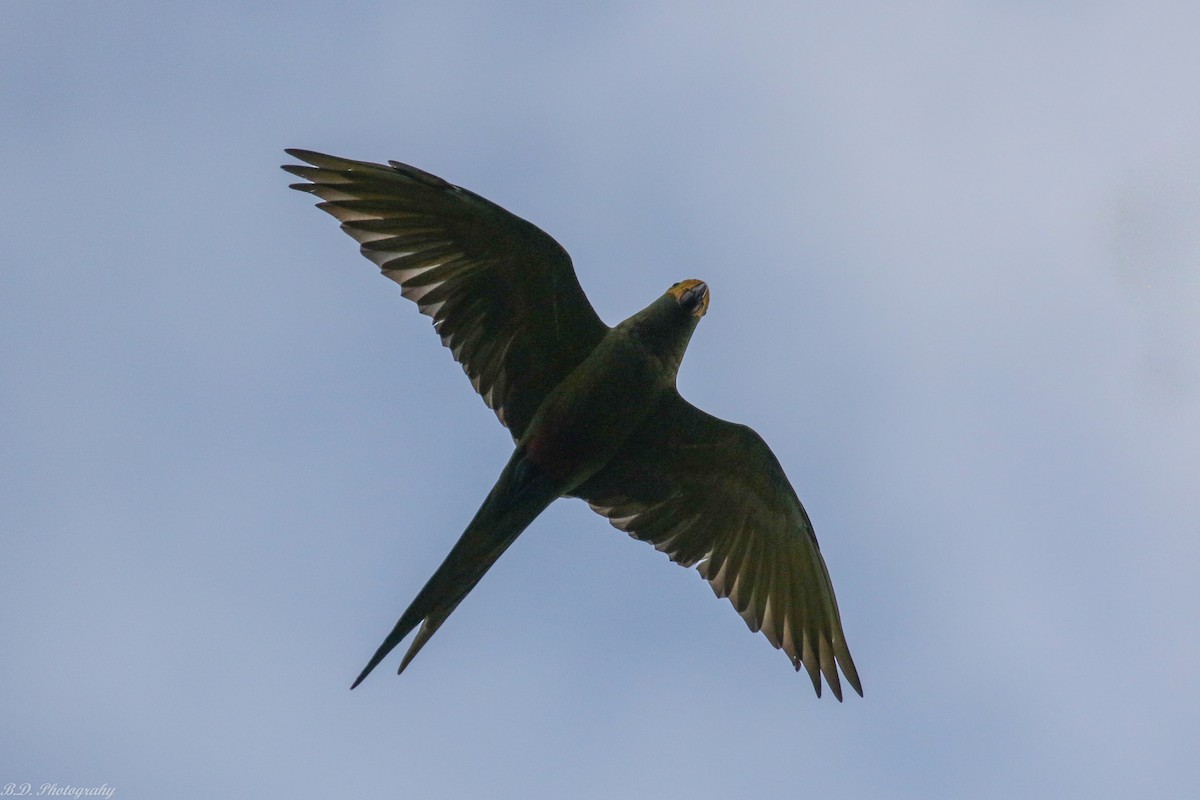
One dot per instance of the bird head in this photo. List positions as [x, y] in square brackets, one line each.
[692, 296]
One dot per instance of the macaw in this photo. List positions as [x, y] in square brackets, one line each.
[593, 412]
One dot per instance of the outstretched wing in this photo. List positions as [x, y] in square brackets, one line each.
[501, 292]
[710, 494]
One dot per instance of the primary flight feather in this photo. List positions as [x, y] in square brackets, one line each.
[593, 412]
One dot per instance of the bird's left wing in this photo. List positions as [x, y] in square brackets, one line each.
[502, 293]
[711, 494]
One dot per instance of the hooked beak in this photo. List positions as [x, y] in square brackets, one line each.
[692, 297]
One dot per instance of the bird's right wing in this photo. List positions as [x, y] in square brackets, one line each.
[711, 494]
[502, 293]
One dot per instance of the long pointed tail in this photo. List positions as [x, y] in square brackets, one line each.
[521, 493]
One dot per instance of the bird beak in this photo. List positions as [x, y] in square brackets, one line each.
[692, 296]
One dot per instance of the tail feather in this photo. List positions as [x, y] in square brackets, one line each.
[521, 493]
[428, 629]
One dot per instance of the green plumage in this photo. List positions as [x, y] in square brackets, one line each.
[593, 412]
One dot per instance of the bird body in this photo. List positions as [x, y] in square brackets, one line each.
[587, 417]
[593, 411]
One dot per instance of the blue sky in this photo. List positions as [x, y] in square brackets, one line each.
[953, 250]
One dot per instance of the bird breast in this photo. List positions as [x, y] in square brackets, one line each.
[585, 419]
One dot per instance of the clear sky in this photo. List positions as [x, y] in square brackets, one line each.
[954, 253]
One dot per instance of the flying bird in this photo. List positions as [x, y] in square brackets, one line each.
[593, 412]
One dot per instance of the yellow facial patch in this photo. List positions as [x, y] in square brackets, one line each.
[678, 290]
